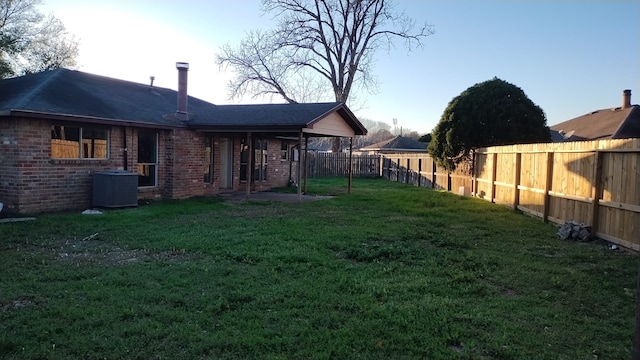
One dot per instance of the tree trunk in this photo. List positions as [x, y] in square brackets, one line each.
[336, 145]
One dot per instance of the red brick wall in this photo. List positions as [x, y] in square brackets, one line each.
[9, 163]
[277, 169]
[31, 181]
[186, 161]
[46, 184]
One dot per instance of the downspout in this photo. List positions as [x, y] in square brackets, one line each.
[125, 152]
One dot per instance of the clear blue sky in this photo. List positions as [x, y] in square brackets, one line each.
[569, 57]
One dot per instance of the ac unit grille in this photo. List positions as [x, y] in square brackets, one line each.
[115, 188]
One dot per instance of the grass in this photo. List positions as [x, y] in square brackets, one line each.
[389, 271]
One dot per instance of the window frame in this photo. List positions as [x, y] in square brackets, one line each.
[284, 150]
[142, 166]
[208, 160]
[259, 168]
[82, 141]
[260, 160]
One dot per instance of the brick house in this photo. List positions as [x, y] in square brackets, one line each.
[58, 128]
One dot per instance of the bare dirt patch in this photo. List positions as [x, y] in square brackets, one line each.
[17, 304]
[92, 250]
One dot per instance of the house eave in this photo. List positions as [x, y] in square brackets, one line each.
[85, 118]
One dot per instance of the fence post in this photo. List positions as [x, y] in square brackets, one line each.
[407, 174]
[419, 171]
[433, 174]
[516, 181]
[547, 187]
[494, 169]
[596, 188]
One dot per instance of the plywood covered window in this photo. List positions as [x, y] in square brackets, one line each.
[79, 142]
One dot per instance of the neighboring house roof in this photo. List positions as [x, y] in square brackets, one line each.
[398, 144]
[617, 123]
[69, 94]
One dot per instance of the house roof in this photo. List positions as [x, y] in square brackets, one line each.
[616, 123]
[274, 117]
[397, 143]
[75, 95]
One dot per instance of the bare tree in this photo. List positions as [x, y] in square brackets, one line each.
[31, 42]
[329, 41]
[51, 48]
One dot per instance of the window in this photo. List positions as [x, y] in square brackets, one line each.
[208, 159]
[147, 158]
[259, 160]
[76, 142]
[284, 150]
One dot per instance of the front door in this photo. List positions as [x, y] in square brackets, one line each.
[226, 163]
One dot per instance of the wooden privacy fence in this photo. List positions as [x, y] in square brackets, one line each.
[337, 164]
[592, 182]
[419, 169]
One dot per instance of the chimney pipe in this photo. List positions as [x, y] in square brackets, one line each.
[181, 112]
[626, 99]
[151, 78]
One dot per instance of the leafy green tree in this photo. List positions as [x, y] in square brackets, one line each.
[425, 138]
[490, 113]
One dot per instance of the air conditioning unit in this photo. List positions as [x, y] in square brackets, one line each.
[115, 189]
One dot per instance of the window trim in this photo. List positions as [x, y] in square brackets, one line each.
[208, 177]
[81, 144]
[154, 165]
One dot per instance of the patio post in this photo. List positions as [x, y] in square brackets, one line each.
[249, 165]
[300, 166]
[350, 163]
[306, 165]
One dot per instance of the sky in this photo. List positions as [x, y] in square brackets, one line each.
[569, 57]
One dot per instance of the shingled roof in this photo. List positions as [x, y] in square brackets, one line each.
[273, 117]
[397, 143]
[76, 95]
[615, 123]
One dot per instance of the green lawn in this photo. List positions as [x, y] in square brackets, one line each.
[387, 272]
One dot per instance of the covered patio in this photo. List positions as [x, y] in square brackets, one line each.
[292, 121]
